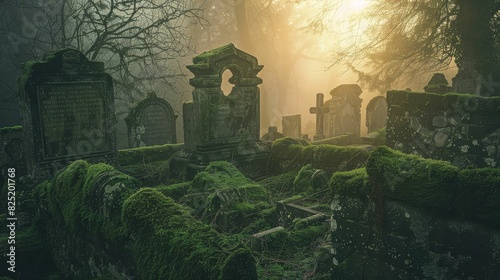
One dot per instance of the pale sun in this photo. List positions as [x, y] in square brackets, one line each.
[359, 5]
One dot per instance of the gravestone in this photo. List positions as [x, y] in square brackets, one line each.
[376, 113]
[344, 116]
[467, 80]
[438, 84]
[151, 122]
[320, 110]
[272, 134]
[67, 111]
[216, 126]
[292, 126]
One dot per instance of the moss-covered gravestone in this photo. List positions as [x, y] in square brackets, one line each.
[212, 119]
[220, 127]
[151, 122]
[344, 116]
[438, 84]
[67, 110]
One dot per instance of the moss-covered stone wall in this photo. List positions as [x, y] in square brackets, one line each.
[99, 223]
[292, 154]
[406, 217]
[463, 129]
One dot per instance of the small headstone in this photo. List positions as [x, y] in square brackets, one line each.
[292, 126]
[345, 111]
[272, 134]
[67, 111]
[320, 110]
[151, 122]
[438, 84]
[467, 80]
[376, 113]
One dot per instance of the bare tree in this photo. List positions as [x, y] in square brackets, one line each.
[139, 40]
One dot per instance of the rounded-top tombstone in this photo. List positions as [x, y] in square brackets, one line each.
[376, 113]
[151, 122]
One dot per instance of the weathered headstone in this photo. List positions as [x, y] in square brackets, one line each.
[467, 80]
[219, 127]
[344, 116]
[151, 122]
[67, 110]
[320, 110]
[272, 134]
[292, 126]
[438, 84]
[376, 113]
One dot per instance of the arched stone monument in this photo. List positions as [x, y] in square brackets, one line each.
[151, 122]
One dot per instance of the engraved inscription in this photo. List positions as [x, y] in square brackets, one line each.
[73, 119]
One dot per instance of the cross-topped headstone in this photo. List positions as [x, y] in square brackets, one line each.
[319, 110]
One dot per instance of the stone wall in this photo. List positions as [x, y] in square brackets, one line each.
[461, 128]
[406, 217]
[412, 244]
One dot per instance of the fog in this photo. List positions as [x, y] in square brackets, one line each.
[300, 43]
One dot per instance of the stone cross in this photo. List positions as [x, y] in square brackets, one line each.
[319, 110]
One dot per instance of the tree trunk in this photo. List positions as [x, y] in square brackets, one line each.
[476, 37]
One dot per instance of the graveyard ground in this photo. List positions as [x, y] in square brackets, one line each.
[321, 212]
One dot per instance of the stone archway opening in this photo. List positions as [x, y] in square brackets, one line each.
[226, 87]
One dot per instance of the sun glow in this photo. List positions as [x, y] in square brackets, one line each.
[359, 5]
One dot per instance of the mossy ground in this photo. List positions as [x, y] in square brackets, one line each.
[97, 203]
[159, 229]
[295, 153]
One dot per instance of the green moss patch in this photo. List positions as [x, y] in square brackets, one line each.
[10, 129]
[412, 179]
[352, 183]
[287, 148]
[295, 153]
[309, 180]
[223, 196]
[342, 140]
[144, 155]
[175, 191]
[170, 244]
[87, 199]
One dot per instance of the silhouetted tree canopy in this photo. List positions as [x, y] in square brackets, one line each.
[139, 40]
